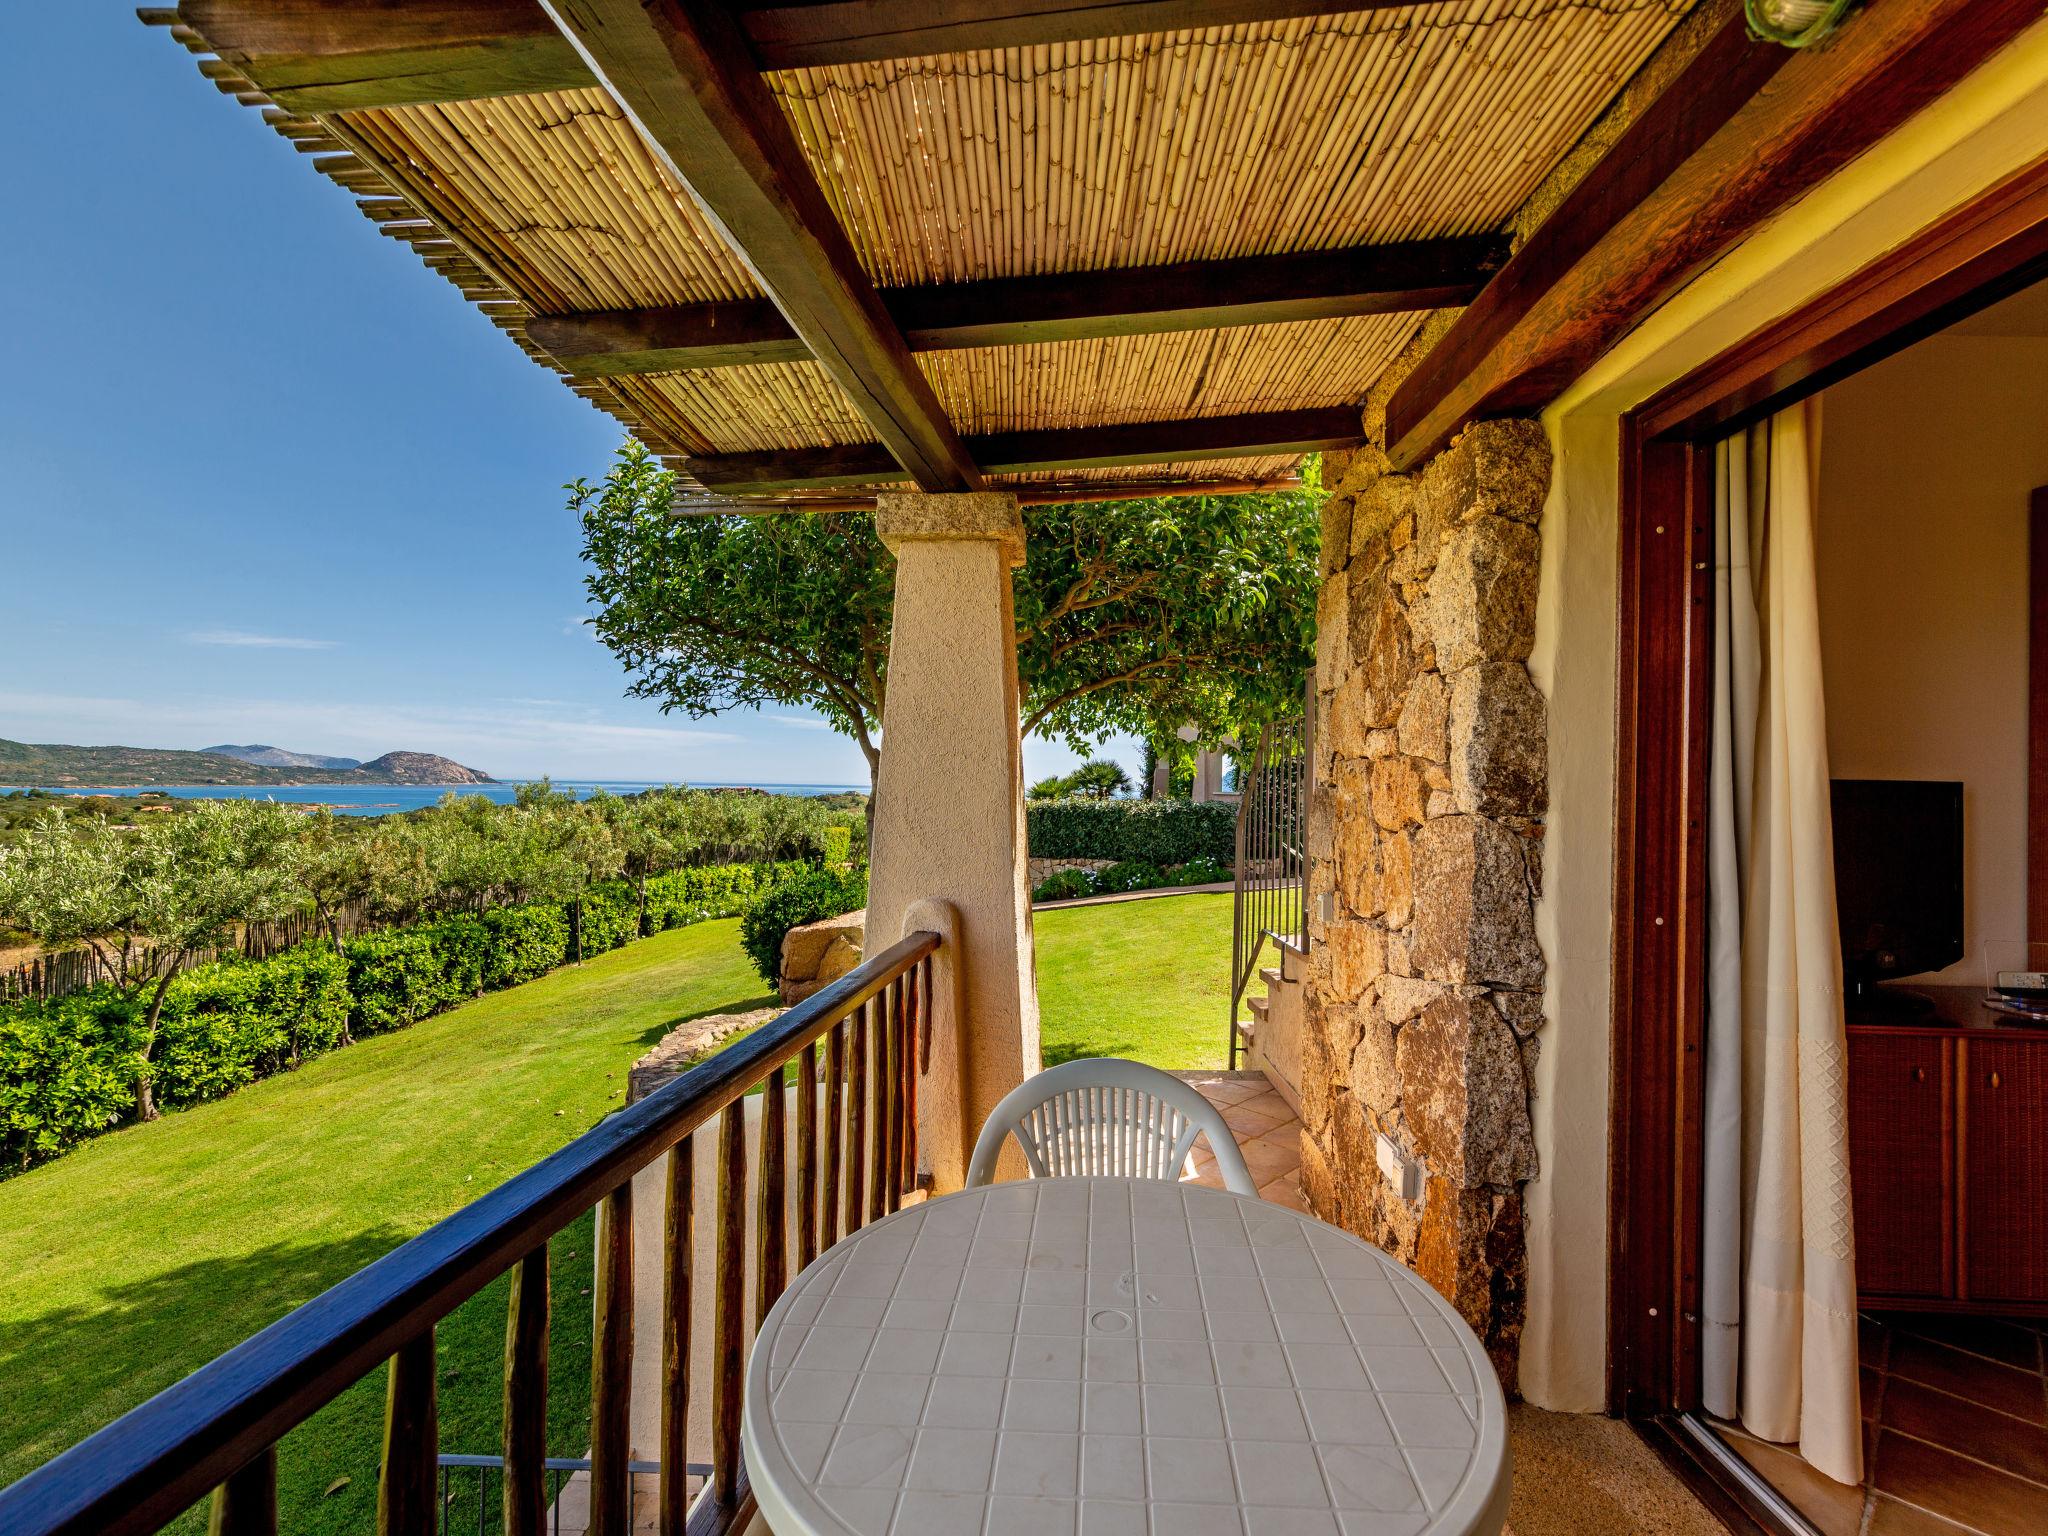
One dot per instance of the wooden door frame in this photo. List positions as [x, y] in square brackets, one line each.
[1986, 250]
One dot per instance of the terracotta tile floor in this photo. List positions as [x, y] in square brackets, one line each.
[1955, 1413]
[1267, 1133]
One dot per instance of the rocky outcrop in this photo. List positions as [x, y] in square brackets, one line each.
[1425, 978]
[686, 1045]
[421, 768]
[818, 953]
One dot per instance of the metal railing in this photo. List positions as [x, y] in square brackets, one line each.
[477, 1471]
[1269, 899]
[863, 1037]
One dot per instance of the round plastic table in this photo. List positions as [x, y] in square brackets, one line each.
[1118, 1357]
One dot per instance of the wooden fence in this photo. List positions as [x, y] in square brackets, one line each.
[59, 973]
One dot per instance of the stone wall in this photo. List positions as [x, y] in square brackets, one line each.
[1038, 871]
[1425, 846]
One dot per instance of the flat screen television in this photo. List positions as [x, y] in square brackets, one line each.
[1898, 878]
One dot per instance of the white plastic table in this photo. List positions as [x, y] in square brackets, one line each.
[1118, 1357]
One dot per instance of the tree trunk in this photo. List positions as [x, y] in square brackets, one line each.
[145, 1089]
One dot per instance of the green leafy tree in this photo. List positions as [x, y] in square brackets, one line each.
[654, 832]
[332, 864]
[1139, 616]
[145, 898]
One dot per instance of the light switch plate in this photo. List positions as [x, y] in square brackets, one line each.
[1402, 1171]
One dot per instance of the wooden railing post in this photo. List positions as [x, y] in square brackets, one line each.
[856, 1120]
[807, 1158]
[408, 1499]
[526, 1397]
[835, 1094]
[246, 1504]
[678, 1267]
[611, 1369]
[771, 1241]
[728, 1316]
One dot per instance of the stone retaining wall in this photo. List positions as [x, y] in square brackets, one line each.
[1425, 836]
[1038, 871]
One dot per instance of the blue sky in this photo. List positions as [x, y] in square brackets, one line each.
[263, 477]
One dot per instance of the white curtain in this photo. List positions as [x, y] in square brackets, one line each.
[1779, 1281]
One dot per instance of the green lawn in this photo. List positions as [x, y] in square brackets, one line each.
[144, 1254]
[1144, 979]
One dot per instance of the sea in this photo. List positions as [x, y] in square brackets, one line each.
[390, 799]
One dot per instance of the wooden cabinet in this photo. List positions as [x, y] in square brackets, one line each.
[2005, 1169]
[1948, 1161]
[1901, 1161]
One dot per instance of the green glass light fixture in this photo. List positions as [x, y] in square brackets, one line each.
[1795, 23]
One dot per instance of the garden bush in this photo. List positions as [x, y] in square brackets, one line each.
[67, 1071]
[69, 1067]
[1161, 832]
[395, 978]
[1130, 875]
[608, 915]
[1198, 871]
[1064, 885]
[804, 894]
[526, 942]
[464, 945]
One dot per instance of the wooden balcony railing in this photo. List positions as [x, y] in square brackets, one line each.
[856, 1157]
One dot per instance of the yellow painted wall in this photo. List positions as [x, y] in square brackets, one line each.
[1926, 462]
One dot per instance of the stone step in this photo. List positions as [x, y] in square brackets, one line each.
[1270, 975]
[1257, 1004]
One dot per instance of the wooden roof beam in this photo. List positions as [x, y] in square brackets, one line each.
[1129, 301]
[1712, 157]
[351, 55]
[683, 75]
[1258, 435]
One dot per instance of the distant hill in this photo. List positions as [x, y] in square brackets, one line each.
[420, 768]
[278, 757]
[59, 767]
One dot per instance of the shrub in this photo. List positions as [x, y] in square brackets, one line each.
[1199, 871]
[526, 942]
[1130, 875]
[838, 844]
[608, 914]
[1161, 832]
[706, 891]
[801, 895]
[395, 978]
[211, 1035]
[464, 945]
[67, 1072]
[1063, 885]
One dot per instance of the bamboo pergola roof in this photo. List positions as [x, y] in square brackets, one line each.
[1014, 209]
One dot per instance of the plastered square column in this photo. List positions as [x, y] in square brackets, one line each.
[949, 805]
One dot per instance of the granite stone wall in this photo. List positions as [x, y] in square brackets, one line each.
[1425, 848]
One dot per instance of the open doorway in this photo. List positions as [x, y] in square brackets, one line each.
[1922, 385]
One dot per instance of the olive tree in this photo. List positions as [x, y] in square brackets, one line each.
[144, 899]
[1141, 616]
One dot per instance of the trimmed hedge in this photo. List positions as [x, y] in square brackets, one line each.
[806, 894]
[68, 1067]
[1159, 832]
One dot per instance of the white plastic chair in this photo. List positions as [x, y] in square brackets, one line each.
[1102, 1116]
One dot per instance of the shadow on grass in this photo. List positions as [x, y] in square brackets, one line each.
[655, 1035]
[1063, 1051]
[70, 1370]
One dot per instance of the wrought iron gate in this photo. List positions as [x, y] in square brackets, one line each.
[1270, 895]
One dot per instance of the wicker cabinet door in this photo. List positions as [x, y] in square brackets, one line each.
[2005, 1169]
[1901, 1163]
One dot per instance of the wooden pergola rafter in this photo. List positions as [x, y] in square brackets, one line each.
[1727, 133]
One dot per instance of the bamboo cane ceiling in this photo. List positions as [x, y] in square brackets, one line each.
[1299, 135]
